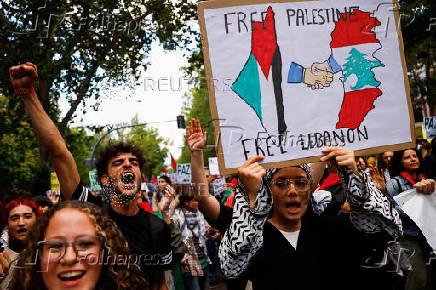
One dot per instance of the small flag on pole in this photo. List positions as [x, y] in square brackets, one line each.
[173, 163]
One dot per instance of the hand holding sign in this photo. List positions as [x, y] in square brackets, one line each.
[23, 76]
[196, 137]
[344, 157]
[426, 186]
[251, 174]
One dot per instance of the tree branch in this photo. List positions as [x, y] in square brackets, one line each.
[83, 89]
[6, 20]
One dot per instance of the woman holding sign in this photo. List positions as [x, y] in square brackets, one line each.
[273, 238]
[408, 174]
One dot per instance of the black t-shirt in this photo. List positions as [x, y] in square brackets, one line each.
[148, 236]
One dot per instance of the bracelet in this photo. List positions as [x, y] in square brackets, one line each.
[24, 91]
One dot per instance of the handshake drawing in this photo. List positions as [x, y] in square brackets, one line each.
[319, 75]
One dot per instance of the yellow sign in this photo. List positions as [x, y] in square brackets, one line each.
[419, 132]
[54, 181]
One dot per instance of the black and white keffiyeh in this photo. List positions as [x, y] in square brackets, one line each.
[372, 212]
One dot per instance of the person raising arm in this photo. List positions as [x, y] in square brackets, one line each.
[22, 78]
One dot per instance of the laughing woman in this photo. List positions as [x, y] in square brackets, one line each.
[75, 246]
[273, 238]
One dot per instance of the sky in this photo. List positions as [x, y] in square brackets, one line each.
[157, 97]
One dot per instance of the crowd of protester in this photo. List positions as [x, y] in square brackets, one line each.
[332, 224]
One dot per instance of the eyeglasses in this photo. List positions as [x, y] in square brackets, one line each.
[52, 251]
[284, 185]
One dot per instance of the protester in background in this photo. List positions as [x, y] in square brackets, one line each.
[213, 238]
[229, 195]
[19, 213]
[76, 246]
[3, 230]
[281, 244]
[164, 180]
[384, 166]
[333, 184]
[361, 164]
[371, 160]
[43, 202]
[55, 196]
[423, 147]
[209, 180]
[408, 174]
[193, 227]
[429, 163]
[163, 183]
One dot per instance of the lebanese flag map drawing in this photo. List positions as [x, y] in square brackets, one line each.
[348, 40]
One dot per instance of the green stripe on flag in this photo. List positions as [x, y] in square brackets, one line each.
[247, 86]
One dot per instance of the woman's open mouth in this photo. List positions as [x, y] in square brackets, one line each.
[71, 276]
[22, 232]
[293, 207]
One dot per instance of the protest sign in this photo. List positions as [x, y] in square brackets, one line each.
[421, 209]
[218, 186]
[184, 173]
[54, 182]
[267, 62]
[173, 177]
[213, 166]
[95, 185]
[430, 127]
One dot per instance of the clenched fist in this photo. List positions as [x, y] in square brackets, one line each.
[251, 174]
[23, 76]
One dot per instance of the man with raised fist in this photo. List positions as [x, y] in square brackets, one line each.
[155, 243]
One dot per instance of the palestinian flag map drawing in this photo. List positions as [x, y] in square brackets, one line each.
[265, 53]
[293, 77]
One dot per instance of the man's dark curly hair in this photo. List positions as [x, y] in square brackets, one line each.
[114, 149]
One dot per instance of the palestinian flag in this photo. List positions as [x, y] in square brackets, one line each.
[353, 47]
[261, 76]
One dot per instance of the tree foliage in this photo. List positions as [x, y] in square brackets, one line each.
[80, 144]
[20, 153]
[18, 147]
[419, 35]
[197, 106]
[77, 45]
